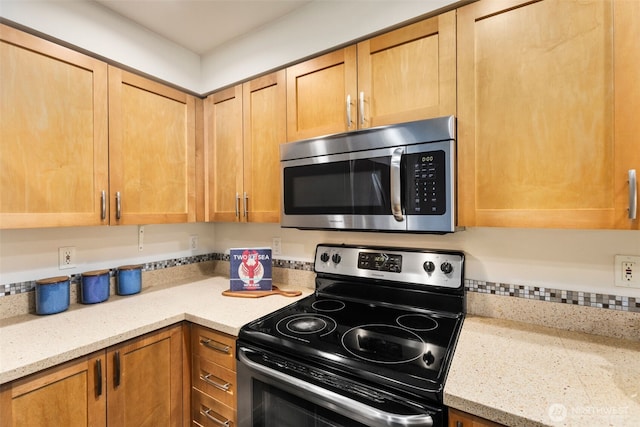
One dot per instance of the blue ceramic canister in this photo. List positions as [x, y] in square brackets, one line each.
[129, 279]
[52, 295]
[95, 286]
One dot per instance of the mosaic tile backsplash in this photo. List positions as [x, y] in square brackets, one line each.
[588, 299]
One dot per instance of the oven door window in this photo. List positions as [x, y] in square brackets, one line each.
[273, 407]
[346, 187]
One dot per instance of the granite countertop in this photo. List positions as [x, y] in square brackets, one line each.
[520, 374]
[30, 343]
[514, 373]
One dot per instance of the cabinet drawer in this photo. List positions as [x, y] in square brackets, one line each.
[214, 346]
[214, 380]
[209, 412]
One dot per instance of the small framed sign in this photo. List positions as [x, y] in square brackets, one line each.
[250, 269]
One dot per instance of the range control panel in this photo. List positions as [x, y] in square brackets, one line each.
[427, 267]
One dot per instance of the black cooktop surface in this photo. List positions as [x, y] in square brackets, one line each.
[404, 347]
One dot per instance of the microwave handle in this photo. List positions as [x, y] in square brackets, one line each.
[396, 190]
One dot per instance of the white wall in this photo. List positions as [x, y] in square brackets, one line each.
[316, 27]
[90, 26]
[580, 260]
[32, 254]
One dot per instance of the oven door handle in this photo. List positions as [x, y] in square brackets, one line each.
[341, 404]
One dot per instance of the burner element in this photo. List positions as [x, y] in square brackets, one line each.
[417, 322]
[306, 325]
[300, 326]
[383, 343]
[328, 305]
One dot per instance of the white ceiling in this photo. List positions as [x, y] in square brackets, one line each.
[202, 25]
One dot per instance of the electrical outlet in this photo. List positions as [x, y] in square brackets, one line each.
[627, 271]
[276, 246]
[67, 257]
[193, 242]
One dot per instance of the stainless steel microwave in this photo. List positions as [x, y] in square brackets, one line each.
[398, 178]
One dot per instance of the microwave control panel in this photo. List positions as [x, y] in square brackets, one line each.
[425, 175]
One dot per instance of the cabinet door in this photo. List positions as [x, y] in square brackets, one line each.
[536, 114]
[223, 136]
[151, 151]
[462, 419]
[145, 380]
[627, 106]
[72, 394]
[53, 128]
[317, 93]
[264, 121]
[408, 74]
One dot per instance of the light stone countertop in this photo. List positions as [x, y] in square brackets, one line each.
[520, 374]
[30, 343]
[514, 373]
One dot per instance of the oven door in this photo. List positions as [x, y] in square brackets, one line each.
[274, 391]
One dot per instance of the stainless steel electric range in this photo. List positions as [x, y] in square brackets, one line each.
[370, 347]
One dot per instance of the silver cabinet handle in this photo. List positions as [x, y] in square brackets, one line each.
[338, 403]
[348, 111]
[118, 206]
[214, 345]
[207, 413]
[361, 108]
[103, 205]
[396, 201]
[237, 205]
[206, 377]
[246, 204]
[633, 194]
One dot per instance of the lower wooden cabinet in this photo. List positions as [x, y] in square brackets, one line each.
[71, 394]
[145, 383]
[463, 419]
[136, 383]
[213, 378]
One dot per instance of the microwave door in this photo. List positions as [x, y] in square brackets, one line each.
[342, 191]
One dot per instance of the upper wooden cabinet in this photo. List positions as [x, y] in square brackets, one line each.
[548, 97]
[84, 143]
[403, 75]
[53, 134]
[244, 127]
[152, 142]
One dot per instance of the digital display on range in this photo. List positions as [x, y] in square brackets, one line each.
[380, 261]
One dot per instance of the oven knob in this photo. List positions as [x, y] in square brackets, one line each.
[429, 266]
[446, 267]
[324, 257]
[336, 258]
[428, 358]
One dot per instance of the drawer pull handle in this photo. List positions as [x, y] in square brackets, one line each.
[207, 379]
[214, 345]
[207, 413]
